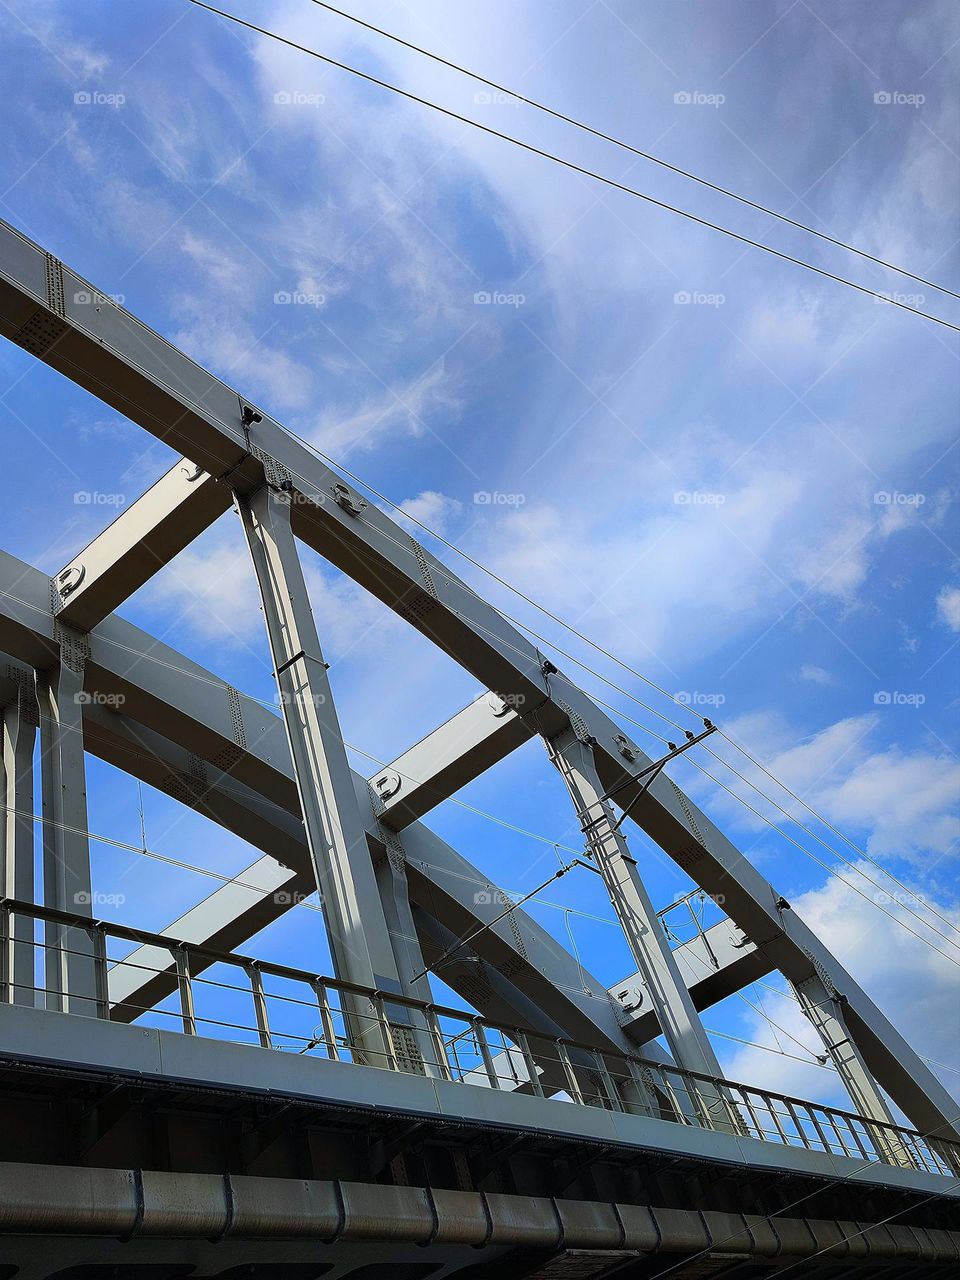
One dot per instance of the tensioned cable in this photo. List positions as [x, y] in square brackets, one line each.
[645, 729]
[926, 924]
[570, 164]
[631, 191]
[828, 868]
[836, 831]
[627, 146]
[625, 693]
[853, 866]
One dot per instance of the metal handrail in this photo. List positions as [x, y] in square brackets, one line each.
[183, 972]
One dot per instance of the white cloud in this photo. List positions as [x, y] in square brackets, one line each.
[430, 508]
[902, 803]
[948, 607]
[817, 675]
[913, 985]
[405, 408]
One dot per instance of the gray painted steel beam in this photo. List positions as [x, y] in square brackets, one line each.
[455, 753]
[143, 538]
[70, 980]
[20, 718]
[712, 966]
[109, 352]
[356, 928]
[672, 1004]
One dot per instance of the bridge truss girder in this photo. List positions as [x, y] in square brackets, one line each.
[109, 352]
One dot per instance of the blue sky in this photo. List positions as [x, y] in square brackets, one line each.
[748, 496]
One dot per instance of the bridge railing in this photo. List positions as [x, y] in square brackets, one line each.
[232, 997]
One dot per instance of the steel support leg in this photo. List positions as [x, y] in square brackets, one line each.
[667, 991]
[69, 962]
[414, 1043]
[357, 929]
[16, 842]
[824, 1009]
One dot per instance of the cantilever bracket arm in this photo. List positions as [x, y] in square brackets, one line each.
[653, 771]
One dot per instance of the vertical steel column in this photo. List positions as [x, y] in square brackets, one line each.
[668, 993]
[71, 985]
[359, 940]
[411, 1034]
[824, 1008]
[17, 838]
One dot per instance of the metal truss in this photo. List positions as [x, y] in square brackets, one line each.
[393, 894]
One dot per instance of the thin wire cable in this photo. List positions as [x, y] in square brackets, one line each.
[926, 924]
[625, 693]
[903, 924]
[837, 832]
[623, 715]
[627, 146]
[852, 865]
[569, 164]
[150, 853]
[606, 680]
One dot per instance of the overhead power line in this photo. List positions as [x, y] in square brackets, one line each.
[627, 146]
[572, 165]
[633, 698]
[605, 679]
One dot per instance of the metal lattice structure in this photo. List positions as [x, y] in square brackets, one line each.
[549, 1129]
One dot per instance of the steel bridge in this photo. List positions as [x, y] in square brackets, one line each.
[544, 1132]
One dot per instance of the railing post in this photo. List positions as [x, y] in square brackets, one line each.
[573, 1084]
[101, 987]
[188, 1017]
[259, 1005]
[485, 1054]
[392, 1061]
[436, 1038]
[616, 1102]
[328, 1030]
[529, 1062]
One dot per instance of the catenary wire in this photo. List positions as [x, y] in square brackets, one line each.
[606, 680]
[571, 165]
[646, 730]
[627, 146]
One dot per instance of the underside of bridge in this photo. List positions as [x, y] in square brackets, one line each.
[547, 1126]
